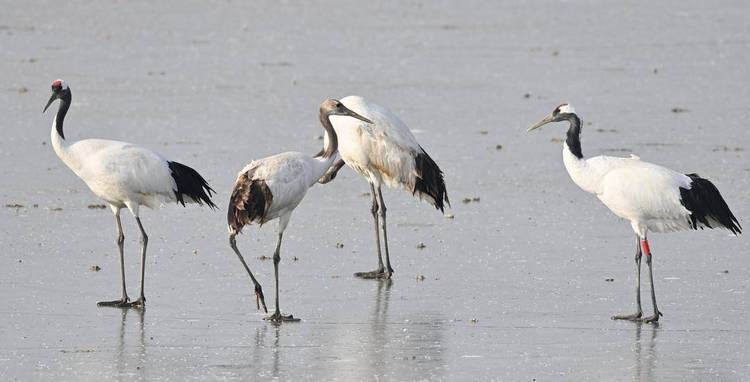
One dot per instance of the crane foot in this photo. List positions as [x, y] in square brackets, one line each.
[628, 317]
[279, 318]
[376, 274]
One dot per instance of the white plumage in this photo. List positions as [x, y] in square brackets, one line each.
[645, 194]
[653, 198]
[272, 187]
[125, 176]
[385, 152]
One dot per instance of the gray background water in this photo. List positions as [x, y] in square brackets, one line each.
[514, 286]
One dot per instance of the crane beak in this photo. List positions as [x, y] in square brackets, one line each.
[541, 123]
[355, 115]
[51, 99]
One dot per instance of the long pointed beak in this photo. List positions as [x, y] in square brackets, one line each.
[350, 113]
[51, 99]
[541, 123]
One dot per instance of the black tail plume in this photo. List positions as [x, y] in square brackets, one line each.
[190, 184]
[707, 206]
[430, 182]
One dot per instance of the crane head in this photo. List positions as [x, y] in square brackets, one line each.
[332, 106]
[561, 113]
[59, 88]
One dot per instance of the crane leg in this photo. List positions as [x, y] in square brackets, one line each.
[258, 290]
[381, 203]
[124, 300]
[657, 313]
[637, 315]
[277, 316]
[380, 272]
[141, 301]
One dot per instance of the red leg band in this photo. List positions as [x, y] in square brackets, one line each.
[646, 249]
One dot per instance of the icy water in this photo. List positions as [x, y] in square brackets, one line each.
[514, 287]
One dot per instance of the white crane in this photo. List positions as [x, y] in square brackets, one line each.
[125, 176]
[651, 197]
[272, 187]
[385, 152]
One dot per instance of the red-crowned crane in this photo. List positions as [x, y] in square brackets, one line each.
[653, 198]
[125, 176]
[272, 187]
[385, 152]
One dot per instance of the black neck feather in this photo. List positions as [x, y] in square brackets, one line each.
[65, 99]
[333, 142]
[574, 136]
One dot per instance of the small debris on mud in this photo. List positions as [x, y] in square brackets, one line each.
[725, 271]
[474, 199]
[449, 216]
[483, 132]
[96, 206]
[365, 194]
[727, 148]
[421, 278]
[473, 320]
[339, 245]
[22, 89]
[421, 246]
[95, 268]
[318, 137]
[498, 147]
[600, 130]
[526, 95]
[557, 140]
[263, 258]
[195, 252]
[295, 258]
[609, 280]
[679, 110]
[56, 209]
[335, 276]
[14, 205]
[656, 71]
[556, 53]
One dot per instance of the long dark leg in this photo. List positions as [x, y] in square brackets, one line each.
[381, 203]
[277, 316]
[378, 273]
[258, 290]
[121, 246]
[638, 313]
[144, 244]
[657, 313]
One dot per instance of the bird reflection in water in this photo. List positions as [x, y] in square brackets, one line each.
[645, 352]
[126, 359]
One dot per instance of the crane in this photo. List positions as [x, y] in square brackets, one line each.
[272, 187]
[653, 198]
[385, 152]
[125, 176]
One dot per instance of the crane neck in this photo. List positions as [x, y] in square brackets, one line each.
[573, 139]
[330, 141]
[62, 110]
[57, 136]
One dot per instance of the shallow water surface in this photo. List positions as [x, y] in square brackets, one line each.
[519, 285]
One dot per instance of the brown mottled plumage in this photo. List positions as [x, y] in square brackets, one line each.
[249, 202]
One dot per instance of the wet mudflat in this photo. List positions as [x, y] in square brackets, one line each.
[518, 285]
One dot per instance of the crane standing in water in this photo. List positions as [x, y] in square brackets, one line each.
[651, 197]
[272, 187]
[385, 152]
[125, 176]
